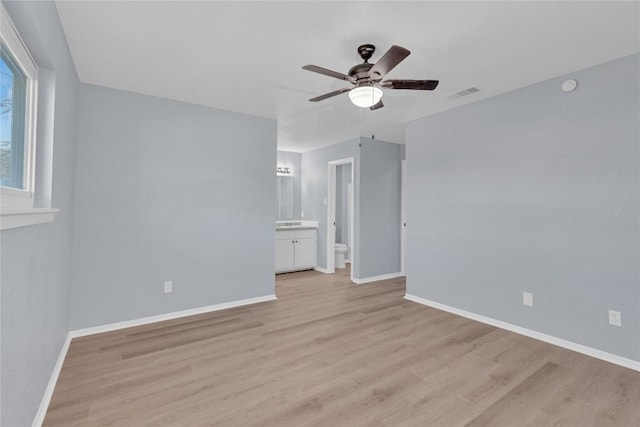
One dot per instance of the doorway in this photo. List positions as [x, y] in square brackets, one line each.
[346, 204]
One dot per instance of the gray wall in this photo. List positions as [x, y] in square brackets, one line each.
[314, 189]
[169, 191]
[380, 182]
[36, 261]
[376, 188]
[294, 161]
[535, 190]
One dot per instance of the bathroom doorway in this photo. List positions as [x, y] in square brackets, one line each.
[340, 212]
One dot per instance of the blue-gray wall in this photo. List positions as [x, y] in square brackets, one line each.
[314, 190]
[169, 191]
[379, 221]
[294, 161]
[535, 190]
[377, 202]
[36, 261]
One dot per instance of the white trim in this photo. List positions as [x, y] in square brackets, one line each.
[570, 345]
[14, 218]
[352, 215]
[376, 278]
[331, 211]
[16, 46]
[403, 217]
[18, 50]
[321, 270]
[168, 316]
[331, 218]
[351, 199]
[16, 198]
[46, 399]
[48, 392]
[294, 269]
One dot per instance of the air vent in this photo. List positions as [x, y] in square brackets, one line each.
[464, 92]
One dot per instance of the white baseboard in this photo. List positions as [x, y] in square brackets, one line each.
[48, 392]
[167, 316]
[570, 345]
[44, 404]
[376, 278]
[321, 270]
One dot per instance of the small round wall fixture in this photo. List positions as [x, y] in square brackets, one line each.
[569, 85]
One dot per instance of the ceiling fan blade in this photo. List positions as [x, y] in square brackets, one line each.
[330, 94]
[389, 60]
[377, 106]
[410, 84]
[329, 73]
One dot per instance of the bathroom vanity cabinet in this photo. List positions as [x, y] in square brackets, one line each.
[295, 249]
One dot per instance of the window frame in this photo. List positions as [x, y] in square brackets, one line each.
[17, 205]
[13, 198]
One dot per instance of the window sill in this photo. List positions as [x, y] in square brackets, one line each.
[14, 218]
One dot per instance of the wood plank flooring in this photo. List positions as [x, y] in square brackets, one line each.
[331, 353]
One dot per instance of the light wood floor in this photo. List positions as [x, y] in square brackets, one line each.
[330, 353]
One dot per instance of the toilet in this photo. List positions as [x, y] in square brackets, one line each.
[341, 253]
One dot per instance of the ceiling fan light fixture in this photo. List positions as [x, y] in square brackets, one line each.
[365, 96]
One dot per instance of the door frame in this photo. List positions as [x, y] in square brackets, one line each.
[331, 213]
[403, 218]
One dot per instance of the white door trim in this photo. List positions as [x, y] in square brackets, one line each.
[403, 218]
[350, 219]
[331, 213]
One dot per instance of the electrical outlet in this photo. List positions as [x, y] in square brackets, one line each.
[527, 299]
[325, 201]
[615, 318]
[168, 287]
[301, 214]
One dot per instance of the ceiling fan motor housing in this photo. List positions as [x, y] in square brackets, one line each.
[360, 71]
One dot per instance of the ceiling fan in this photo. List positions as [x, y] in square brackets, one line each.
[367, 78]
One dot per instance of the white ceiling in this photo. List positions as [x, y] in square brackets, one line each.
[247, 56]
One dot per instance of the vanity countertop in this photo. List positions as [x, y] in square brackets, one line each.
[296, 225]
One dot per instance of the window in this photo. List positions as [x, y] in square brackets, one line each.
[18, 89]
[18, 74]
[12, 97]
